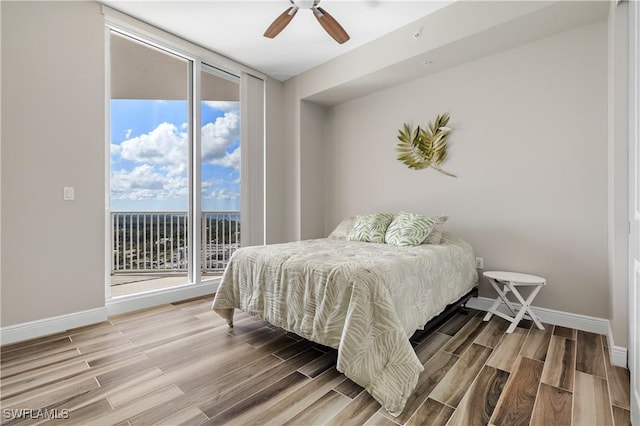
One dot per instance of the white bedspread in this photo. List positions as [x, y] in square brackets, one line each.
[364, 299]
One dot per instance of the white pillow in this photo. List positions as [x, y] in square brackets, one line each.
[436, 234]
[342, 230]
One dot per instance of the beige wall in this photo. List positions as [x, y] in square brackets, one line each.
[290, 152]
[618, 80]
[52, 136]
[529, 147]
[312, 205]
[274, 162]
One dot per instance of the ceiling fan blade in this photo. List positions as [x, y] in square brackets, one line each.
[281, 22]
[330, 25]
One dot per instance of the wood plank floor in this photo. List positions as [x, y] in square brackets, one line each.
[181, 364]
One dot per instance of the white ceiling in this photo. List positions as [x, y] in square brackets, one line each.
[234, 28]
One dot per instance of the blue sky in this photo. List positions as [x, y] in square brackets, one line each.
[149, 155]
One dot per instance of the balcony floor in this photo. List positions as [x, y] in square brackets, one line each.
[123, 284]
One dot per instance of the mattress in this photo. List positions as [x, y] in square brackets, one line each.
[364, 299]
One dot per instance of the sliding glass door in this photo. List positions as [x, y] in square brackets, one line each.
[219, 169]
[174, 192]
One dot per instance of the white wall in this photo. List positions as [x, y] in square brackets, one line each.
[529, 147]
[52, 136]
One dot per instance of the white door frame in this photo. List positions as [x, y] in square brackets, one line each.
[634, 209]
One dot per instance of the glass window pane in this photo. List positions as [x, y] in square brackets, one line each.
[149, 167]
[220, 169]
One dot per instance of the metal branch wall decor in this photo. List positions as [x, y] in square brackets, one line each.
[421, 148]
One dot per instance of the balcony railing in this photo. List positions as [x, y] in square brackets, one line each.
[158, 241]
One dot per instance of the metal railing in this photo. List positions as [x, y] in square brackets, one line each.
[158, 241]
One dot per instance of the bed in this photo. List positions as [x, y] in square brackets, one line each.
[364, 299]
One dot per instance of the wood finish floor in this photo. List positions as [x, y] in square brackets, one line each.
[181, 364]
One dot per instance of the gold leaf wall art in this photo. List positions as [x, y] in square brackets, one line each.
[425, 147]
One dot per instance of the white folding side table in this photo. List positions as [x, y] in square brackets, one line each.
[505, 282]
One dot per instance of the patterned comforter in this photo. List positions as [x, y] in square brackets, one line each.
[364, 299]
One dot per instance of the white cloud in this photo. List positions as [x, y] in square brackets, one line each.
[163, 145]
[217, 137]
[167, 145]
[223, 194]
[229, 160]
[115, 149]
[205, 186]
[163, 155]
[144, 182]
[225, 106]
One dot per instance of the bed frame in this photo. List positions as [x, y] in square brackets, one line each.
[435, 322]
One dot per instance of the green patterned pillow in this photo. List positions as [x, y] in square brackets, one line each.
[410, 229]
[370, 228]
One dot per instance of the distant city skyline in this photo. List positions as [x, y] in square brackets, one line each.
[149, 155]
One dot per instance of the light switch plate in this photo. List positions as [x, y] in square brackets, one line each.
[68, 193]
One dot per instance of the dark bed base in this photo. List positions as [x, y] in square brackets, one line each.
[457, 306]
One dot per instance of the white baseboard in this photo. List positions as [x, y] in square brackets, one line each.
[617, 354]
[116, 305]
[46, 326]
[124, 304]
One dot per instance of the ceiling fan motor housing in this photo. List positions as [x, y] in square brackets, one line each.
[305, 4]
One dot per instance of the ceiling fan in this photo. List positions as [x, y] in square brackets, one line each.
[327, 21]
